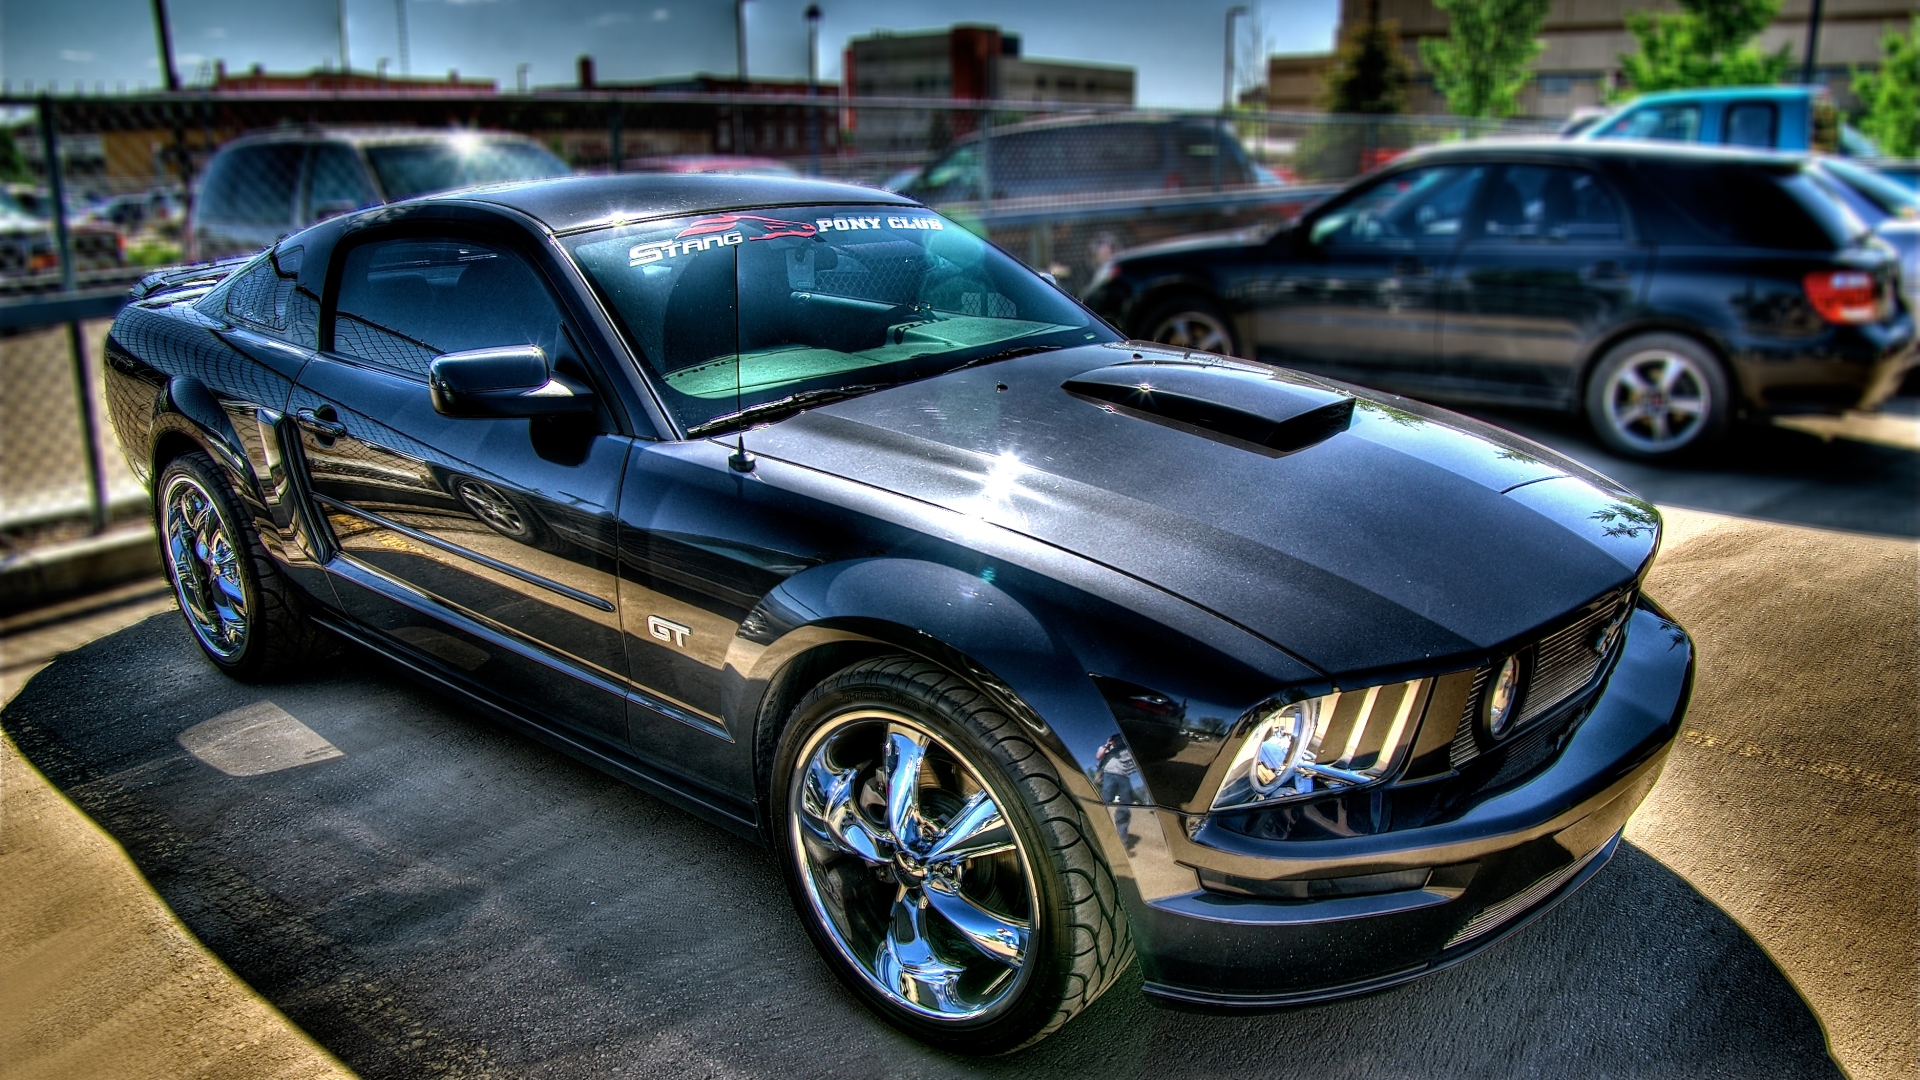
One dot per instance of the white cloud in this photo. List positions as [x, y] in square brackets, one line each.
[78, 56]
[661, 14]
[613, 18]
[464, 3]
[217, 32]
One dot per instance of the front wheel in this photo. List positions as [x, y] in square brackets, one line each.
[1659, 396]
[939, 865]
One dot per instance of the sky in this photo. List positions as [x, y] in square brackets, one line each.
[1175, 47]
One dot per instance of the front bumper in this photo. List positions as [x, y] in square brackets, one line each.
[1494, 866]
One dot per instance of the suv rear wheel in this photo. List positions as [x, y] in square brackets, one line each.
[1191, 322]
[1659, 396]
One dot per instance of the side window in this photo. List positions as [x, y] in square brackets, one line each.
[1674, 123]
[259, 296]
[1751, 123]
[1128, 150]
[956, 176]
[404, 302]
[336, 184]
[1416, 205]
[1543, 202]
[254, 185]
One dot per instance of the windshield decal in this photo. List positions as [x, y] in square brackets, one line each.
[720, 230]
[854, 224]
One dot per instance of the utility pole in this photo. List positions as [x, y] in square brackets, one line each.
[813, 88]
[1813, 42]
[1226, 83]
[167, 71]
[740, 39]
[400, 26]
[340, 10]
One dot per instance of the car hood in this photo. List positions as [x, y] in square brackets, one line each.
[1399, 539]
[1214, 241]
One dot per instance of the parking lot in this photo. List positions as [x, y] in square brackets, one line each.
[445, 897]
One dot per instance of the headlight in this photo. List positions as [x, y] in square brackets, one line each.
[1503, 694]
[1324, 744]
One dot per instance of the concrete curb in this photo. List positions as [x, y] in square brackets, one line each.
[58, 571]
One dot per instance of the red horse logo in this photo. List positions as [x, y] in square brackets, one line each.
[771, 227]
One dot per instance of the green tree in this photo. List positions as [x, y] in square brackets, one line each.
[1892, 94]
[1370, 74]
[1708, 43]
[13, 166]
[1481, 65]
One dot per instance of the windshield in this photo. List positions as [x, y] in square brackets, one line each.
[729, 311]
[409, 169]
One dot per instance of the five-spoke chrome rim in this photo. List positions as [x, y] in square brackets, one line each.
[1194, 330]
[205, 569]
[912, 867]
[1658, 400]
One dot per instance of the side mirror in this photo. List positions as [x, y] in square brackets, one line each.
[513, 381]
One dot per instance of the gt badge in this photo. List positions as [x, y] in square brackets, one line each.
[671, 632]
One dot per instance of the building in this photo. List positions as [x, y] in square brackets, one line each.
[1585, 38]
[258, 80]
[1296, 83]
[961, 63]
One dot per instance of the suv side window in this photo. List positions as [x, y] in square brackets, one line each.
[956, 176]
[336, 183]
[404, 302]
[1676, 123]
[254, 185]
[1398, 210]
[1751, 123]
[1550, 202]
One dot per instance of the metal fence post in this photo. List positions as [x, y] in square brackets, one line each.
[615, 151]
[56, 194]
[76, 338]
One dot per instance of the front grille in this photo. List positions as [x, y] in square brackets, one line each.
[1562, 665]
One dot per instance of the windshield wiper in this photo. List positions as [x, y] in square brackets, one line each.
[1004, 354]
[780, 407]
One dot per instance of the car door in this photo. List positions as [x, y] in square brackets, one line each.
[1548, 267]
[484, 546]
[1355, 291]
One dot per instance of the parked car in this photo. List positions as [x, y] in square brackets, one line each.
[29, 243]
[1025, 649]
[1082, 156]
[1665, 291]
[735, 164]
[259, 188]
[1889, 208]
[1761, 117]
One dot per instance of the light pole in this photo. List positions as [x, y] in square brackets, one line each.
[400, 31]
[813, 89]
[340, 9]
[1813, 42]
[740, 39]
[167, 71]
[1226, 87]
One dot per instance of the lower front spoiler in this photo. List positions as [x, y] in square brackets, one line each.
[1541, 898]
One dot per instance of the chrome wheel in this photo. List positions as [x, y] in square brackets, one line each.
[1197, 330]
[205, 568]
[1658, 401]
[911, 866]
[492, 508]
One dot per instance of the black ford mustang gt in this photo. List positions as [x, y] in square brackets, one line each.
[1030, 649]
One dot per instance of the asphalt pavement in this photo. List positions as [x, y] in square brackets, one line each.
[425, 893]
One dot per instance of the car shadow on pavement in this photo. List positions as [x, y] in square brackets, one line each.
[1856, 480]
[445, 897]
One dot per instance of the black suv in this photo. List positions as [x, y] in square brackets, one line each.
[259, 188]
[1078, 156]
[1664, 290]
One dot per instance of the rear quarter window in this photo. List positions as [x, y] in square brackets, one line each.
[1751, 206]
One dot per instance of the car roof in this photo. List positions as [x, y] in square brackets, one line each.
[1610, 149]
[1725, 93]
[376, 136]
[573, 203]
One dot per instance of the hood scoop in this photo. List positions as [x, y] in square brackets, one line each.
[1247, 407]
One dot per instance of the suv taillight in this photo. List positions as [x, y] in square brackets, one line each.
[1844, 296]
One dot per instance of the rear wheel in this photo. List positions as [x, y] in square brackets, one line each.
[1659, 396]
[243, 614]
[940, 866]
[1191, 322]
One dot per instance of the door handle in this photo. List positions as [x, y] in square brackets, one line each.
[323, 427]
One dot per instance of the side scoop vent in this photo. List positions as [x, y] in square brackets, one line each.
[1248, 407]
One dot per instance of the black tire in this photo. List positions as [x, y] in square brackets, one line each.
[1076, 942]
[242, 613]
[1659, 397]
[1190, 321]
